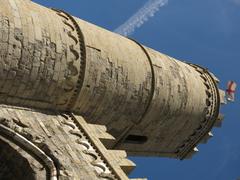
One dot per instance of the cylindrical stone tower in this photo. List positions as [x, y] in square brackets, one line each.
[151, 103]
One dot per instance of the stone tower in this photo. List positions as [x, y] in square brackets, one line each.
[76, 99]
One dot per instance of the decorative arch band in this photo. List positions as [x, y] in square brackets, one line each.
[70, 21]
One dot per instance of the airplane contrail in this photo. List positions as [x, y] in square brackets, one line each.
[140, 17]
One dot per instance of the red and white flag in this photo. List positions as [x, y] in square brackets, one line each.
[230, 91]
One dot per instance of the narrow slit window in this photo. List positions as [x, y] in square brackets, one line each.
[135, 139]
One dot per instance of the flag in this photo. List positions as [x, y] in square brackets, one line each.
[230, 91]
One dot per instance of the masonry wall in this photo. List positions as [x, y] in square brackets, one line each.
[151, 103]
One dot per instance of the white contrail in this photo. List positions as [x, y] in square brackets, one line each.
[140, 17]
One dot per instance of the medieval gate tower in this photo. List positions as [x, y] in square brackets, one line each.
[76, 99]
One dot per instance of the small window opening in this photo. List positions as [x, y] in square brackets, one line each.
[135, 139]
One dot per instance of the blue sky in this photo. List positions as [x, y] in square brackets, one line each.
[205, 32]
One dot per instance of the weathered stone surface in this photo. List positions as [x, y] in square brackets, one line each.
[67, 140]
[131, 97]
